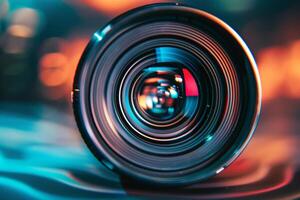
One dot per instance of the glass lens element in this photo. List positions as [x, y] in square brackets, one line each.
[161, 93]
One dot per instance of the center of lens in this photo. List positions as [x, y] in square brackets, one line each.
[160, 95]
[164, 93]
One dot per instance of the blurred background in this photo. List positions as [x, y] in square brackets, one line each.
[41, 153]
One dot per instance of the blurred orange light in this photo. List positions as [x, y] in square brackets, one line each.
[73, 49]
[24, 22]
[113, 7]
[53, 69]
[57, 68]
[271, 66]
[280, 71]
[279, 149]
[20, 31]
[293, 74]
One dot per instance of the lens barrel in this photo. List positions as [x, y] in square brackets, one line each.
[167, 94]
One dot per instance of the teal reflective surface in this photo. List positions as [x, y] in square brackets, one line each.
[43, 157]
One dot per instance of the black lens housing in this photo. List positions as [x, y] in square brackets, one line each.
[208, 130]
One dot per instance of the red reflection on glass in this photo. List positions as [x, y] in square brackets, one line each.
[191, 88]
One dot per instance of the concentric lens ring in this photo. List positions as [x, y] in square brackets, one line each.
[167, 94]
[150, 159]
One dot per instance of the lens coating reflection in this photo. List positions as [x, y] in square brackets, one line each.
[161, 93]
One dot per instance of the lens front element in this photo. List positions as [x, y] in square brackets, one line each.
[160, 93]
[168, 94]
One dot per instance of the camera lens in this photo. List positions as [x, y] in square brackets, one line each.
[160, 93]
[166, 94]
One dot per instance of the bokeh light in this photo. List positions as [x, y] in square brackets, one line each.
[57, 66]
[24, 22]
[114, 7]
[54, 69]
[280, 71]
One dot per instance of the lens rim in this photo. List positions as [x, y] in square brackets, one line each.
[83, 75]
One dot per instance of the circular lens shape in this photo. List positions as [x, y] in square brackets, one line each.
[167, 94]
[160, 93]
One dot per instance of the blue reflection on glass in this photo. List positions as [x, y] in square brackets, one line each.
[103, 32]
[167, 54]
[209, 138]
